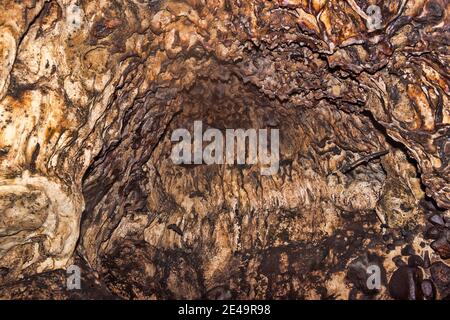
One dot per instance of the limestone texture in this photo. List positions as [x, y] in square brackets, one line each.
[91, 90]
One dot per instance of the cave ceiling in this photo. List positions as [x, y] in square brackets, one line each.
[91, 91]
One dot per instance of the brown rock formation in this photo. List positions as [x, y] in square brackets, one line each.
[91, 91]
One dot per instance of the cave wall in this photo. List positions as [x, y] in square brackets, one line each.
[90, 92]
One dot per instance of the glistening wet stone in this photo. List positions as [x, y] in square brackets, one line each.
[440, 273]
[428, 289]
[405, 283]
[442, 247]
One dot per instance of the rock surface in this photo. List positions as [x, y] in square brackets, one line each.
[90, 92]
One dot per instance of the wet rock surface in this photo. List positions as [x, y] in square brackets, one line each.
[405, 284]
[91, 91]
[428, 289]
[441, 277]
[53, 285]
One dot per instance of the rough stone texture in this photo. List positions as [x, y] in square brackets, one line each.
[90, 92]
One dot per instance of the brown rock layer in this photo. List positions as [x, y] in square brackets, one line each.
[91, 91]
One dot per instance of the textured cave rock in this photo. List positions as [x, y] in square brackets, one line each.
[90, 92]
